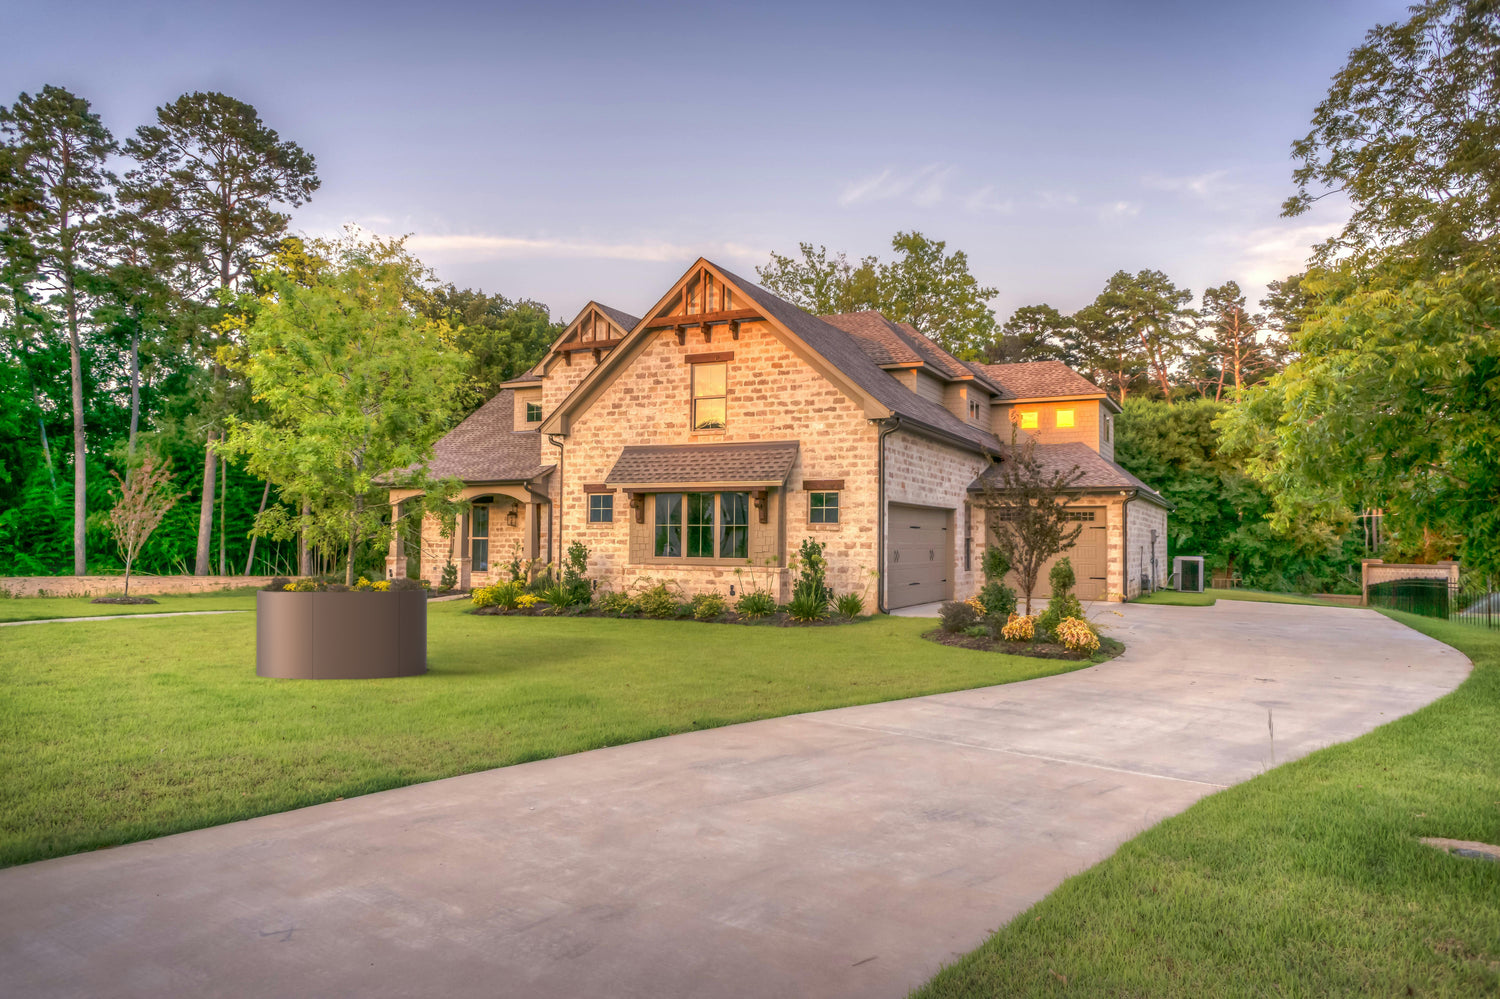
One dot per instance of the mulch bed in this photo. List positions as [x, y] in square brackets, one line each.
[122, 600]
[778, 620]
[1108, 647]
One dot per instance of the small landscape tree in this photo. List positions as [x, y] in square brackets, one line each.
[1027, 498]
[145, 497]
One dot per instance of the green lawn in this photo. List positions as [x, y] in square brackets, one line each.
[122, 730]
[41, 608]
[1306, 881]
[1209, 595]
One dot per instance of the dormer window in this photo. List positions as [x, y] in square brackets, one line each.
[533, 412]
[974, 411]
[710, 395]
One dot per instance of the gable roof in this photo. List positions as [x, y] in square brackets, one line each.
[486, 446]
[1039, 380]
[620, 317]
[841, 350]
[1096, 471]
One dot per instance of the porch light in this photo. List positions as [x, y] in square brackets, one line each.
[511, 515]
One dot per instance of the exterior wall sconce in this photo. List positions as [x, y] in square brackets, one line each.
[511, 516]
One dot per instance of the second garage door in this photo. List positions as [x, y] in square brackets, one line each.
[918, 556]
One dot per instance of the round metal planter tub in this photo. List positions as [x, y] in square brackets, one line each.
[340, 636]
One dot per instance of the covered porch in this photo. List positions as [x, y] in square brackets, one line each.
[505, 521]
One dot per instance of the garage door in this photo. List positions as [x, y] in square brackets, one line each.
[1089, 555]
[917, 555]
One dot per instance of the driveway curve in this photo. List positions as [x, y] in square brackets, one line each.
[841, 853]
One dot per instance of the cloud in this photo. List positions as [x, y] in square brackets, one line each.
[1119, 210]
[984, 200]
[1201, 185]
[924, 186]
[1272, 252]
[485, 247]
[1057, 199]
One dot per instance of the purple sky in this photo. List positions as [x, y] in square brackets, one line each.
[573, 151]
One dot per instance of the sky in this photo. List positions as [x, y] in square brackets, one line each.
[564, 152]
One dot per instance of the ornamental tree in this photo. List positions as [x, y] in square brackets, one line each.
[356, 386]
[1028, 501]
[145, 497]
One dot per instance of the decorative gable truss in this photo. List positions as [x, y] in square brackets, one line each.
[596, 330]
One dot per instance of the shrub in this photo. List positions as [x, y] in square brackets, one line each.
[337, 588]
[402, 583]
[618, 603]
[526, 601]
[381, 586]
[808, 605]
[450, 577]
[659, 602]
[274, 586]
[812, 574]
[560, 596]
[709, 606]
[756, 604]
[1063, 604]
[998, 600]
[502, 595]
[1062, 576]
[1076, 635]
[995, 565]
[978, 631]
[958, 615]
[1019, 628]
[304, 586]
[850, 605]
[362, 584]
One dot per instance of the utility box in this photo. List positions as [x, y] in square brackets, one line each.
[1188, 571]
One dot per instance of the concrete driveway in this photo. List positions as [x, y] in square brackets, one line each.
[842, 853]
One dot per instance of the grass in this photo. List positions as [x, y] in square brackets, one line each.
[1209, 595]
[1306, 881]
[123, 730]
[42, 608]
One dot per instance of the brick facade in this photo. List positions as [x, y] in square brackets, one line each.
[922, 472]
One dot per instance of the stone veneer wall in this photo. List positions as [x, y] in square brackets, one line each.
[98, 586]
[773, 395]
[1144, 518]
[922, 472]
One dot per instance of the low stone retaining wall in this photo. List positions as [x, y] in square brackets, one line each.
[100, 586]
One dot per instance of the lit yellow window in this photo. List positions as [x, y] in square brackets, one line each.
[1064, 417]
[1028, 420]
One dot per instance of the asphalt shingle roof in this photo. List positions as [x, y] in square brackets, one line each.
[1097, 471]
[844, 352]
[760, 461]
[486, 447]
[623, 319]
[1038, 379]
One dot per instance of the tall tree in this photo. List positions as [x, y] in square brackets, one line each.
[1409, 132]
[64, 145]
[1034, 333]
[211, 177]
[24, 319]
[357, 386]
[1233, 336]
[1106, 347]
[1155, 312]
[924, 285]
[501, 338]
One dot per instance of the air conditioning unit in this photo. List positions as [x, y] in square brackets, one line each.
[1188, 571]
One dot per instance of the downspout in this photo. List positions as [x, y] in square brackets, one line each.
[894, 425]
[1125, 544]
[561, 484]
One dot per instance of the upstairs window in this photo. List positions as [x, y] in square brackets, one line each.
[1109, 423]
[1065, 417]
[974, 411]
[1027, 420]
[533, 412]
[710, 395]
[822, 508]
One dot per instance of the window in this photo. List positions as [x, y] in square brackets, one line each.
[734, 525]
[533, 412]
[974, 411]
[1065, 417]
[693, 515]
[710, 392]
[822, 508]
[601, 508]
[1028, 420]
[668, 525]
[479, 539]
[1109, 422]
[700, 525]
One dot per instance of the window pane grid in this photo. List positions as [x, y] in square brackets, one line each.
[669, 525]
[700, 525]
[710, 394]
[601, 508]
[734, 525]
[823, 508]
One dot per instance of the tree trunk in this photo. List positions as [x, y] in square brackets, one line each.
[127, 576]
[223, 494]
[304, 556]
[80, 457]
[135, 403]
[36, 399]
[206, 511]
[264, 496]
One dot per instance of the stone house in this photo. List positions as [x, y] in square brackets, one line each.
[702, 443]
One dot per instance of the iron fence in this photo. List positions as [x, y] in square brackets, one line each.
[1471, 603]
